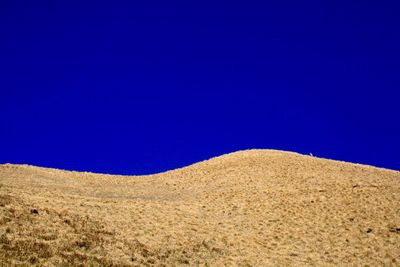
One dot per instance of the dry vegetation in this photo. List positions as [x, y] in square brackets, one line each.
[250, 208]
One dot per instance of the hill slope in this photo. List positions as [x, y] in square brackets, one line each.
[256, 208]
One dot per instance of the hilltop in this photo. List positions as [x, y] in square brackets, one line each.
[248, 208]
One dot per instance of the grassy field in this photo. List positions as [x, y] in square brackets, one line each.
[249, 208]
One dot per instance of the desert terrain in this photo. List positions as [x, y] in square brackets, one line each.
[248, 208]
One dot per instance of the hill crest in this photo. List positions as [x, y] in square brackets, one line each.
[258, 154]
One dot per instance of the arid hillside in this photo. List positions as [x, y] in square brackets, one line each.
[249, 208]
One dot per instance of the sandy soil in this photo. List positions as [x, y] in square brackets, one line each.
[249, 208]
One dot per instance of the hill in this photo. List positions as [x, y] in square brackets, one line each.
[249, 208]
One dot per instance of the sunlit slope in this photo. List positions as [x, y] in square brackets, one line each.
[257, 207]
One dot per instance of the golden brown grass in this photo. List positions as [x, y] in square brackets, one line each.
[250, 208]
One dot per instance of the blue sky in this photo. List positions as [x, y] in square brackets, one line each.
[137, 88]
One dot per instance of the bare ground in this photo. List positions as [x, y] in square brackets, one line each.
[249, 208]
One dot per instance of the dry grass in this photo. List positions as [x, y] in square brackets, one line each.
[250, 208]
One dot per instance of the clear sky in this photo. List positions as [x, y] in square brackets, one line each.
[137, 87]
